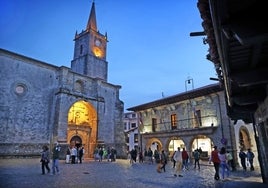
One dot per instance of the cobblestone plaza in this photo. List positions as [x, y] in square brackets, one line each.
[26, 173]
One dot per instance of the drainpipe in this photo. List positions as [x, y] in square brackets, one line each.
[258, 149]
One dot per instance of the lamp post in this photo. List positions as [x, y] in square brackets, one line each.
[189, 81]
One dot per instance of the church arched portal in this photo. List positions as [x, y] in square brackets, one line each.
[76, 141]
[82, 127]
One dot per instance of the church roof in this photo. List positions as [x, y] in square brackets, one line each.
[92, 23]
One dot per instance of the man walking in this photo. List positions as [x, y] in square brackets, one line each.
[178, 158]
[243, 156]
[250, 157]
[214, 157]
[55, 158]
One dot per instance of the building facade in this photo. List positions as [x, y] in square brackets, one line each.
[41, 103]
[131, 124]
[194, 119]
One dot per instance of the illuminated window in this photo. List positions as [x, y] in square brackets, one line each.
[173, 121]
[136, 138]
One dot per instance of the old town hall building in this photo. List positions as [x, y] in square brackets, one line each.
[41, 103]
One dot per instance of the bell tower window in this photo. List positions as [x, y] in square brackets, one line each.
[81, 49]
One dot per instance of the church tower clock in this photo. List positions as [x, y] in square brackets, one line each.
[90, 50]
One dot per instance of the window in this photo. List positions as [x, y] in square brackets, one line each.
[173, 121]
[125, 124]
[127, 138]
[81, 49]
[198, 120]
[136, 138]
[78, 86]
[133, 115]
[133, 125]
[154, 121]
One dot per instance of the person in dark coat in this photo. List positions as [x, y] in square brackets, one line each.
[45, 160]
[243, 156]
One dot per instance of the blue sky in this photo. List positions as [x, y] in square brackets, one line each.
[150, 51]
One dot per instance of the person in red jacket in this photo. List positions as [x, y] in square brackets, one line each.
[214, 157]
[185, 158]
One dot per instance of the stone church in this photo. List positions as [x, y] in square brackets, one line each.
[41, 103]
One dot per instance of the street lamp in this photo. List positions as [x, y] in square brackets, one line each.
[188, 82]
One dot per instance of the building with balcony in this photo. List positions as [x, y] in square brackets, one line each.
[193, 119]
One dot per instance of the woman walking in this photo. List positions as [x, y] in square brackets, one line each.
[223, 162]
[45, 160]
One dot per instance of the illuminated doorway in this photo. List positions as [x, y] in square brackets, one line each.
[76, 141]
[203, 143]
[173, 145]
[82, 127]
[244, 139]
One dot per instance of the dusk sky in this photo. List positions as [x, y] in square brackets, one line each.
[150, 52]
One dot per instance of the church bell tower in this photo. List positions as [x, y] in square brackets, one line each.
[90, 50]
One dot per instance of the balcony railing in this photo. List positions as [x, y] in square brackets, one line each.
[204, 121]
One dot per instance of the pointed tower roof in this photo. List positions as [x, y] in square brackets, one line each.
[92, 23]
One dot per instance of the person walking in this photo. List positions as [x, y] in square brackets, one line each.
[243, 156]
[140, 156]
[196, 158]
[250, 157]
[68, 154]
[163, 158]
[172, 159]
[214, 157]
[55, 158]
[73, 154]
[150, 155]
[230, 160]
[223, 164]
[45, 160]
[178, 158]
[81, 154]
[133, 156]
[113, 154]
[185, 158]
[157, 160]
[101, 152]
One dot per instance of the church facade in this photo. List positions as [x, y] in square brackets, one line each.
[41, 103]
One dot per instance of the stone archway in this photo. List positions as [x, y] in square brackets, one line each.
[204, 143]
[154, 144]
[174, 143]
[82, 127]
